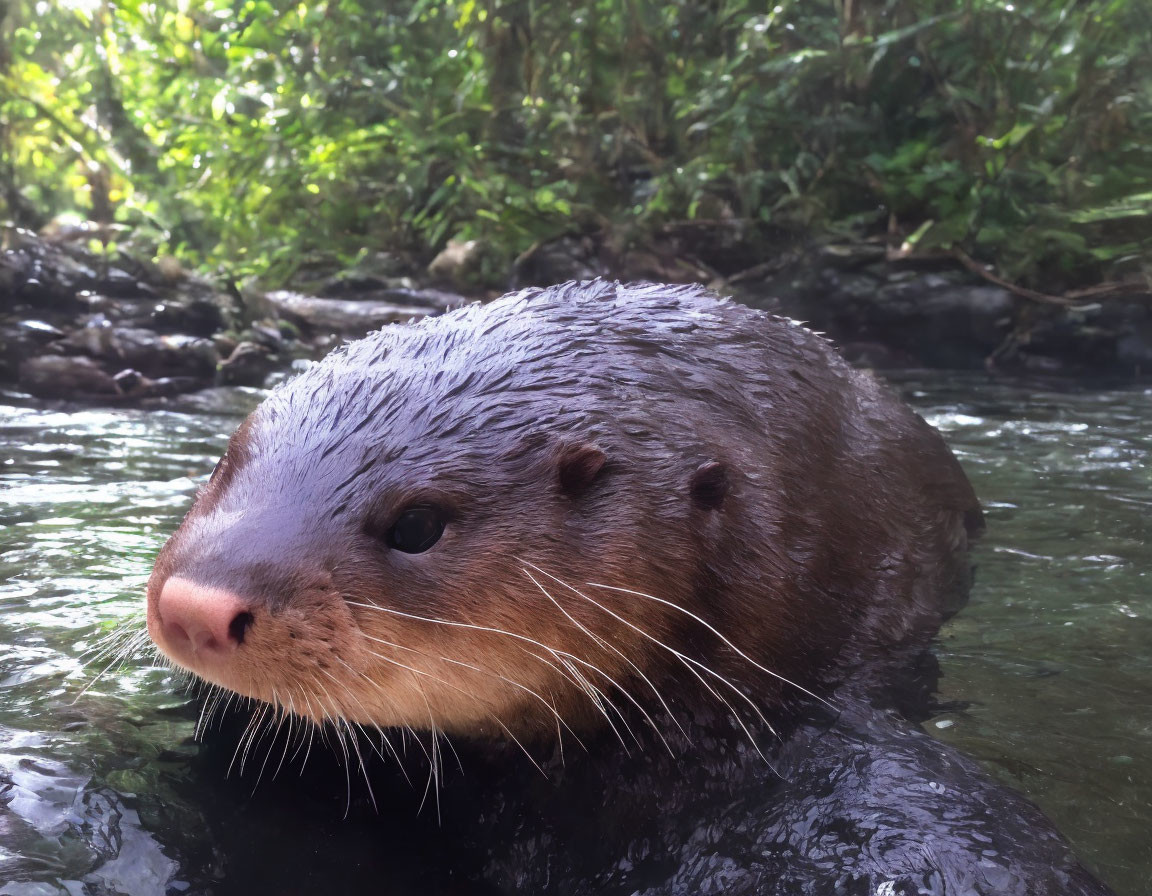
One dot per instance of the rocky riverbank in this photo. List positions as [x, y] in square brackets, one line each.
[77, 326]
[889, 310]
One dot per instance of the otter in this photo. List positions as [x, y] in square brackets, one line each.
[674, 551]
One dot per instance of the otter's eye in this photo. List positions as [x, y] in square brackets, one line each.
[416, 530]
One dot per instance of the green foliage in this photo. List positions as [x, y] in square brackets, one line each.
[254, 135]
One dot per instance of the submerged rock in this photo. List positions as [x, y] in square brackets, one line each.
[76, 377]
[230, 401]
[345, 316]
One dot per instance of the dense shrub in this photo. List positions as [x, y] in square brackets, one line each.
[255, 134]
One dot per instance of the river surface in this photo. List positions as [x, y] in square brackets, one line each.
[1047, 673]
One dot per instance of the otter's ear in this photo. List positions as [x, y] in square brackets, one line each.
[578, 466]
[709, 484]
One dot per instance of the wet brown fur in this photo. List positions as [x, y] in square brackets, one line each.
[609, 441]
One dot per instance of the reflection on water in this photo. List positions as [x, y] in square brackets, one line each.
[1047, 673]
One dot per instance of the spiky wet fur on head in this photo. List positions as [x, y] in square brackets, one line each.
[651, 495]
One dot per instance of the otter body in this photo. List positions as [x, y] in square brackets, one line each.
[664, 545]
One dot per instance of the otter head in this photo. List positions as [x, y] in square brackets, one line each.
[496, 519]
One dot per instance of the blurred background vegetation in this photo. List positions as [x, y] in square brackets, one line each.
[249, 136]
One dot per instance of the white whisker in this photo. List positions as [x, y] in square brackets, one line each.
[712, 629]
[603, 643]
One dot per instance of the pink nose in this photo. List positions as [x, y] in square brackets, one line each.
[199, 625]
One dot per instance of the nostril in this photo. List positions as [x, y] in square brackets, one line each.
[239, 626]
[177, 634]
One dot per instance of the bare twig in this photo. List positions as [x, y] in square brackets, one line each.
[1069, 299]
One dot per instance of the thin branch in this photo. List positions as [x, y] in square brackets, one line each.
[1069, 299]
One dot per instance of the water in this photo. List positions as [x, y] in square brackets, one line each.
[1047, 673]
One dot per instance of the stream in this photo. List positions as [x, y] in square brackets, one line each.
[1047, 674]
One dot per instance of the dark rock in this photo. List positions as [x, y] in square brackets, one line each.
[267, 336]
[171, 313]
[940, 323]
[128, 380]
[248, 365]
[66, 377]
[24, 339]
[933, 319]
[33, 273]
[110, 308]
[876, 356]
[558, 260]
[236, 401]
[120, 283]
[1134, 346]
[42, 273]
[133, 312]
[288, 329]
[1109, 337]
[39, 331]
[932, 312]
[152, 354]
[135, 385]
[225, 344]
[198, 317]
[720, 244]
